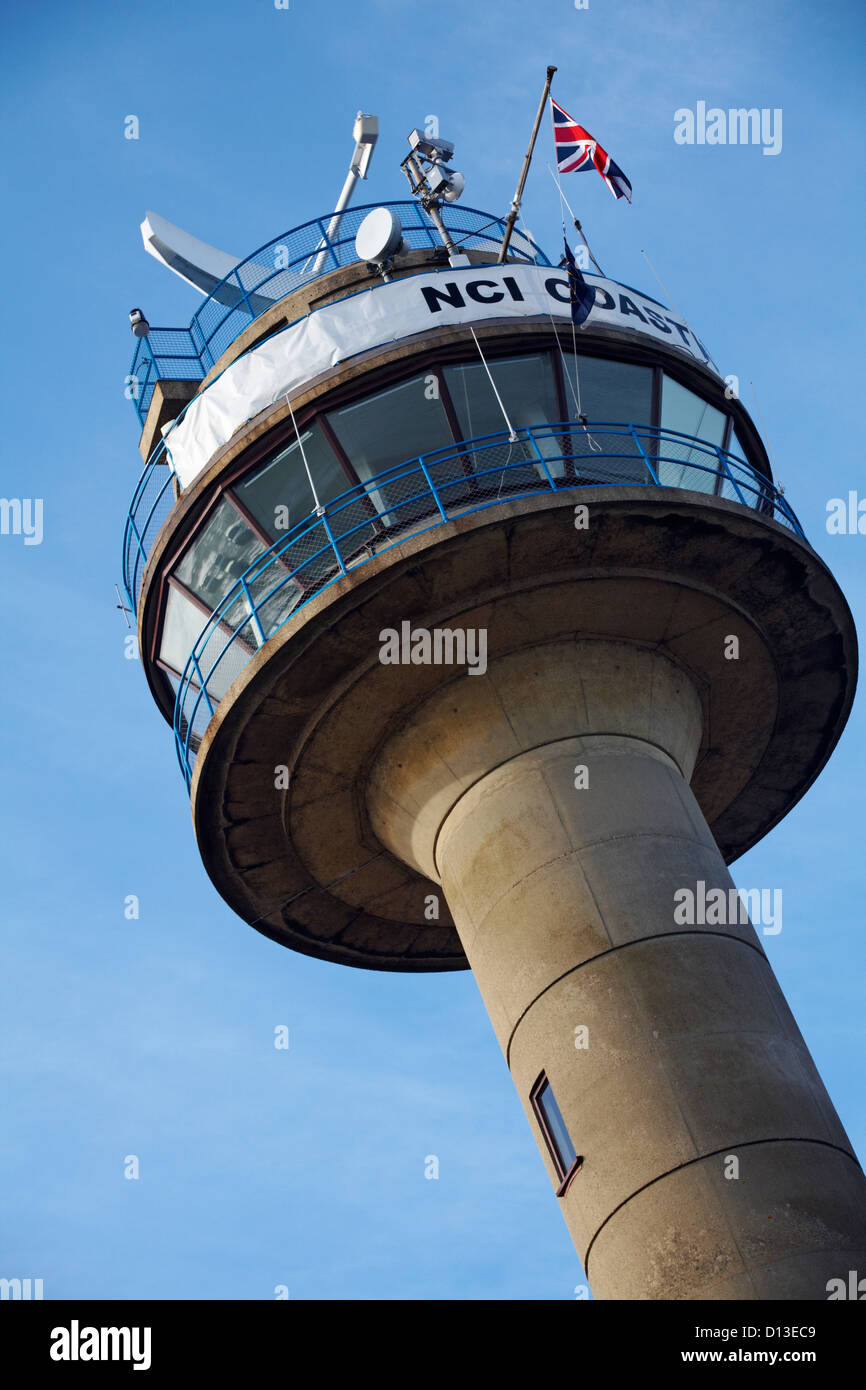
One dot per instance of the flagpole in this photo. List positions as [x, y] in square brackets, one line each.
[586, 244]
[515, 203]
[558, 183]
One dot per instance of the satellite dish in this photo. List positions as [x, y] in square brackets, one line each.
[379, 236]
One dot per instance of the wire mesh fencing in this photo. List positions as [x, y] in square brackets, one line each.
[284, 265]
[427, 492]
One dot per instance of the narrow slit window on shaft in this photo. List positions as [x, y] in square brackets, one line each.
[566, 1159]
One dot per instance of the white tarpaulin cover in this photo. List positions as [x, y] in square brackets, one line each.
[387, 312]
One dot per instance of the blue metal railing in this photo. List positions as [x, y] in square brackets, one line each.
[282, 266]
[420, 495]
[155, 495]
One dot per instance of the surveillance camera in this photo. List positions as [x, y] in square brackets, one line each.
[138, 323]
[429, 147]
[445, 183]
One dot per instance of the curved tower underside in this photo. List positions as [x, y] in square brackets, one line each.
[655, 667]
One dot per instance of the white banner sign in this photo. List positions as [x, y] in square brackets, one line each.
[386, 313]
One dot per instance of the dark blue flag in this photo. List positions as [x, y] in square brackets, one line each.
[581, 294]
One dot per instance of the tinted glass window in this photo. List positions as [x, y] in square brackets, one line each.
[681, 465]
[684, 411]
[219, 555]
[614, 391]
[746, 484]
[525, 384]
[737, 447]
[183, 623]
[182, 627]
[391, 428]
[279, 495]
[526, 387]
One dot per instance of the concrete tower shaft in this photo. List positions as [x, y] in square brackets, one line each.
[670, 1049]
[606, 651]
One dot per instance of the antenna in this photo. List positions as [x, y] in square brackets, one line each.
[198, 264]
[194, 261]
[206, 268]
[433, 183]
[366, 133]
[122, 606]
[766, 436]
[664, 287]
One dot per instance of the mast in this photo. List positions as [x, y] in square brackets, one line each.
[515, 202]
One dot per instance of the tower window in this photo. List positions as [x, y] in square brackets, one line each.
[566, 1160]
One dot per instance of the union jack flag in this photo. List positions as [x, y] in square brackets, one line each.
[576, 151]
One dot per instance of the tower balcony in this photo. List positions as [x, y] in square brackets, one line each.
[288, 263]
[420, 495]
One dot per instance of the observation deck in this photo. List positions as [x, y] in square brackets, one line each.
[287, 263]
[425, 493]
[214, 575]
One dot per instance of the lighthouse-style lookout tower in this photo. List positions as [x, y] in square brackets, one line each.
[438, 595]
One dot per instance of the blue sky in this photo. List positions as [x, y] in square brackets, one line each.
[154, 1037]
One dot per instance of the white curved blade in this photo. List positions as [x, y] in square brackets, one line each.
[204, 267]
